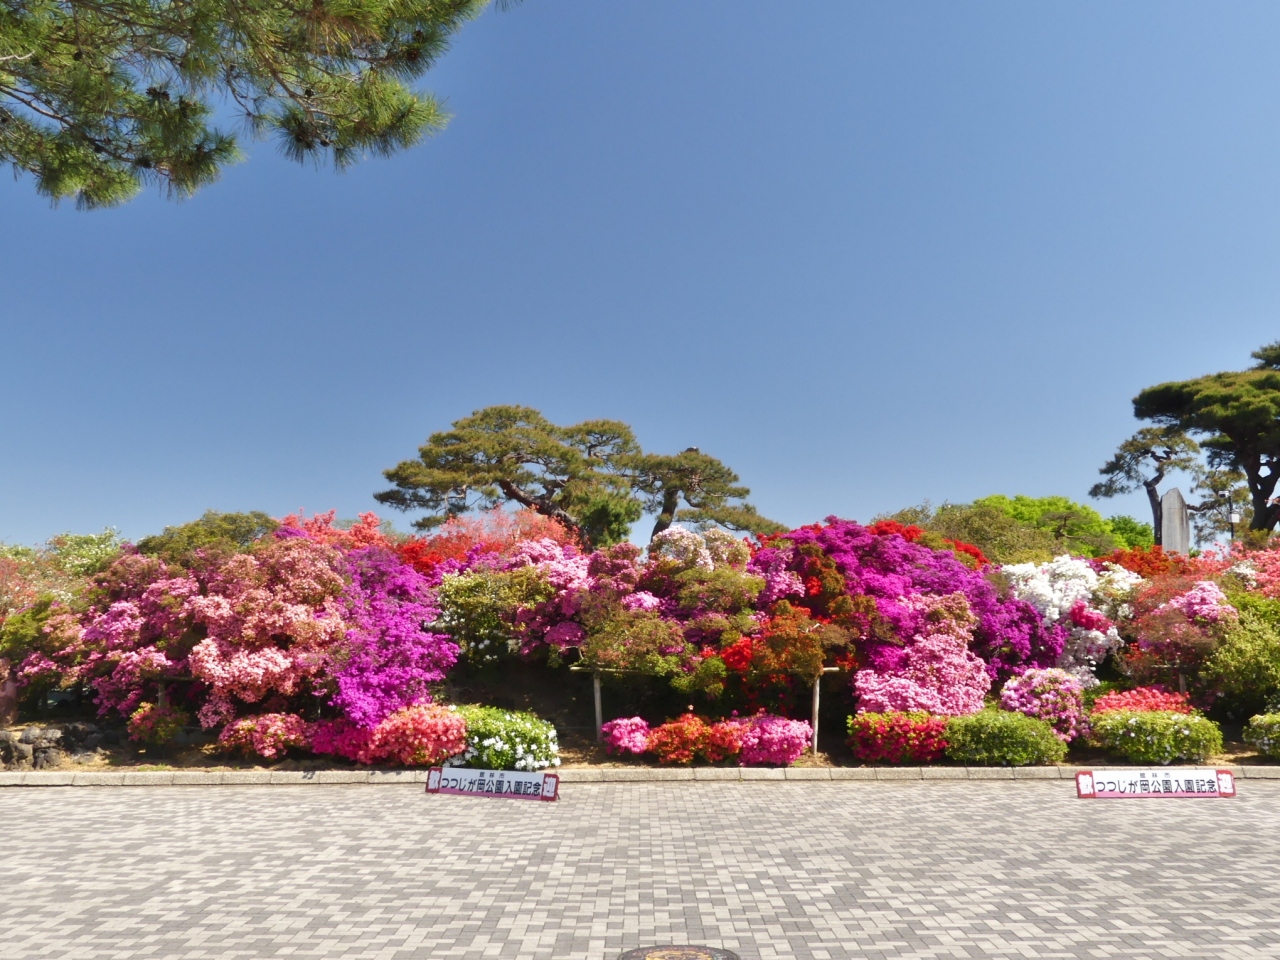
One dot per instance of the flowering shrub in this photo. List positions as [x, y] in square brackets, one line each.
[268, 735]
[419, 736]
[626, 735]
[1263, 733]
[157, 723]
[507, 740]
[1002, 738]
[937, 673]
[1157, 736]
[681, 740]
[898, 737]
[1079, 601]
[1143, 700]
[1178, 621]
[1052, 695]
[771, 741]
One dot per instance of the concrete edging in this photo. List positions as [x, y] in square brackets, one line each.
[939, 774]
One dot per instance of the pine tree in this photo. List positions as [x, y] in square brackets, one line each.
[98, 97]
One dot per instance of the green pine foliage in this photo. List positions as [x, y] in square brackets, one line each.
[98, 97]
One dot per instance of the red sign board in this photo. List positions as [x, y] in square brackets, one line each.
[1178, 782]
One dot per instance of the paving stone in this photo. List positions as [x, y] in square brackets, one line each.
[717, 773]
[1261, 773]
[944, 773]
[197, 777]
[763, 773]
[246, 776]
[991, 773]
[898, 773]
[147, 778]
[335, 776]
[95, 779]
[49, 778]
[1037, 773]
[807, 773]
[11, 778]
[622, 774]
[809, 870]
[579, 775]
[853, 773]
[392, 776]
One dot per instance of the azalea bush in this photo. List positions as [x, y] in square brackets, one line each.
[626, 735]
[1052, 695]
[157, 724]
[507, 740]
[1156, 736]
[772, 741]
[1003, 738]
[1143, 700]
[1263, 734]
[268, 735]
[898, 737]
[689, 738]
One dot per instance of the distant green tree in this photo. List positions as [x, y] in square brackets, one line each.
[223, 532]
[1074, 526]
[592, 477]
[1130, 532]
[1143, 461]
[98, 97]
[1237, 416]
[1001, 538]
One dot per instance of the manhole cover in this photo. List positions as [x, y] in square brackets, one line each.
[679, 953]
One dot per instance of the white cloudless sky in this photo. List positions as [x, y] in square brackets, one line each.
[867, 254]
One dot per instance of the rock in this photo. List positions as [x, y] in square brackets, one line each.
[93, 741]
[47, 757]
[86, 756]
[76, 733]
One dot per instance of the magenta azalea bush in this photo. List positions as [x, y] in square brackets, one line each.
[773, 741]
[1052, 695]
[626, 735]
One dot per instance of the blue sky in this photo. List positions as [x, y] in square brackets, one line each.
[866, 254]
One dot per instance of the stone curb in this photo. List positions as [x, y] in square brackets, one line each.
[158, 778]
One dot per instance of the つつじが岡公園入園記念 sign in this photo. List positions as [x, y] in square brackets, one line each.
[1181, 782]
[508, 784]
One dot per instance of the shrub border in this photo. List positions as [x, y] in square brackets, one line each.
[205, 778]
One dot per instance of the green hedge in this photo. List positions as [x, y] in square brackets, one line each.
[1156, 736]
[1263, 733]
[1002, 738]
[507, 740]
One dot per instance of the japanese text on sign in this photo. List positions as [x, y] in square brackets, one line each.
[1175, 782]
[512, 784]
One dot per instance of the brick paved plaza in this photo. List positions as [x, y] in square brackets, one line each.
[807, 870]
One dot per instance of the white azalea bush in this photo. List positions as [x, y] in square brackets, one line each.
[507, 740]
[1067, 591]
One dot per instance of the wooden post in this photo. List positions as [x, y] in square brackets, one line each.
[816, 683]
[595, 683]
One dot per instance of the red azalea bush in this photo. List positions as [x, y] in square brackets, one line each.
[898, 737]
[414, 736]
[1143, 700]
[690, 737]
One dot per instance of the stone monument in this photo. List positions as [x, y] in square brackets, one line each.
[1175, 523]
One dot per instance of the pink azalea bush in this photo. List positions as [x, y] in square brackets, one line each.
[1049, 694]
[626, 735]
[773, 741]
[268, 735]
[938, 673]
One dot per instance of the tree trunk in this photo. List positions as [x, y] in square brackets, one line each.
[546, 508]
[670, 502]
[1157, 511]
[1260, 491]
